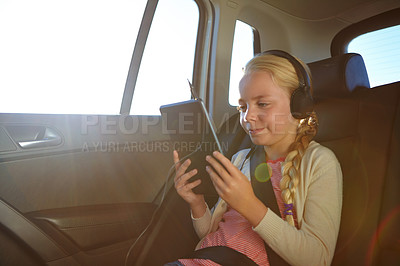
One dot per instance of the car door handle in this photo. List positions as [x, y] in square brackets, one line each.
[50, 138]
[40, 143]
[29, 137]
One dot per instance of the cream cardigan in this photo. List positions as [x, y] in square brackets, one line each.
[318, 204]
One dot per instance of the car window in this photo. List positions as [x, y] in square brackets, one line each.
[66, 56]
[381, 52]
[168, 57]
[242, 51]
[73, 57]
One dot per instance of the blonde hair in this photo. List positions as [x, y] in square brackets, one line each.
[284, 75]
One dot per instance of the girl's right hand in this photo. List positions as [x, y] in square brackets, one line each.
[184, 188]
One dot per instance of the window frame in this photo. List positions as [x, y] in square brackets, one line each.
[256, 41]
[342, 39]
[140, 45]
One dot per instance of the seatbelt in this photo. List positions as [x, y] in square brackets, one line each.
[265, 193]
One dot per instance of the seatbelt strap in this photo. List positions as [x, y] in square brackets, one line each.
[265, 193]
[222, 255]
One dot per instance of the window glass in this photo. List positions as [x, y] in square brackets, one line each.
[66, 56]
[381, 52]
[168, 57]
[242, 52]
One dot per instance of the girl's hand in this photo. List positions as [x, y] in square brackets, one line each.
[234, 187]
[184, 188]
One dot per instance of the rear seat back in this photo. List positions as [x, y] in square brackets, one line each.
[384, 248]
[338, 112]
[359, 130]
[357, 123]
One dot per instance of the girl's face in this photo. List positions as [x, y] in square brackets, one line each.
[265, 110]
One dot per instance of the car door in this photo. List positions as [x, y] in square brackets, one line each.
[82, 171]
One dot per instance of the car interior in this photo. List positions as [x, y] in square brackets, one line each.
[97, 189]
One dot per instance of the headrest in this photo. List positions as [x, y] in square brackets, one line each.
[338, 76]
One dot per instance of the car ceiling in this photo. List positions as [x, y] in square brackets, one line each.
[347, 10]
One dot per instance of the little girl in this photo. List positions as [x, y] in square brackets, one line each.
[306, 177]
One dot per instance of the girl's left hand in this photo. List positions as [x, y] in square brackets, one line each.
[234, 187]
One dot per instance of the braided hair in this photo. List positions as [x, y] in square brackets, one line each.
[306, 130]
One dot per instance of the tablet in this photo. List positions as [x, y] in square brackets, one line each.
[194, 136]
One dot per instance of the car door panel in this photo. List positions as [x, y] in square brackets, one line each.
[93, 192]
[91, 227]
